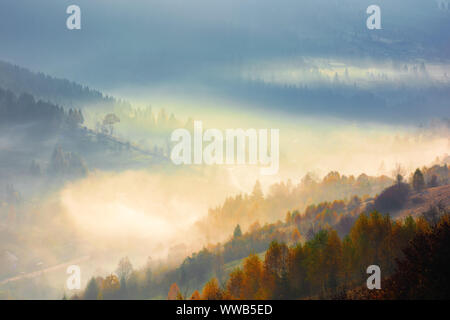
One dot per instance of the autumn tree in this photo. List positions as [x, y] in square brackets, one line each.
[252, 277]
[297, 272]
[297, 218]
[195, 295]
[275, 270]
[315, 267]
[423, 272]
[325, 265]
[332, 261]
[110, 287]
[288, 218]
[235, 283]
[362, 246]
[349, 262]
[212, 291]
[174, 292]
[295, 236]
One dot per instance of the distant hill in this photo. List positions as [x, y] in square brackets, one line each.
[420, 202]
[33, 131]
[58, 91]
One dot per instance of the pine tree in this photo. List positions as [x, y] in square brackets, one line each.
[237, 232]
[257, 193]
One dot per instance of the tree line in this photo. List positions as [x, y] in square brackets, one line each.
[320, 252]
[412, 254]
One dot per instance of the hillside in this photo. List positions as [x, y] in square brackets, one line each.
[45, 143]
[420, 202]
[410, 251]
[58, 91]
[346, 223]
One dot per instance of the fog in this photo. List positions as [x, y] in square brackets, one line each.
[216, 47]
[133, 210]
[143, 213]
[140, 211]
[76, 188]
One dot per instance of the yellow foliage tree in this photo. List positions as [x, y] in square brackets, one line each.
[235, 284]
[211, 291]
[195, 295]
[295, 236]
[174, 292]
[252, 277]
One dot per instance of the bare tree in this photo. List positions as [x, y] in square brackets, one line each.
[398, 173]
[124, 269]
[109, 121]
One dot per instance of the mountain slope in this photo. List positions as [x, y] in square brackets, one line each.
[58, 91]
[420, 202]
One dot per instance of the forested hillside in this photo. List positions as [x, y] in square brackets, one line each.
[59, 91]
[99, 112]
[322, 251]
[246, 209]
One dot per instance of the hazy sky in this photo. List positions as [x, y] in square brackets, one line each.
[242, 52]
